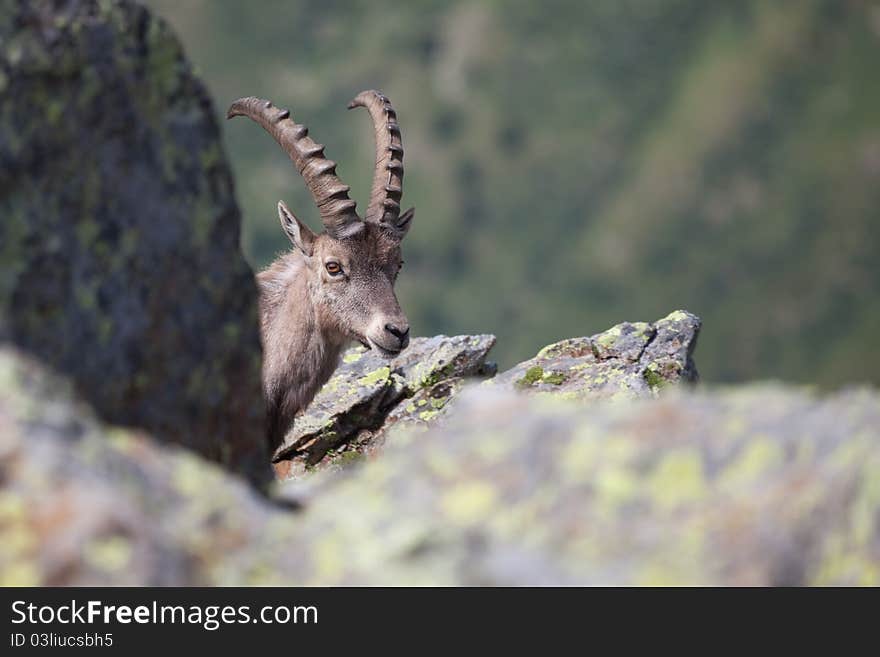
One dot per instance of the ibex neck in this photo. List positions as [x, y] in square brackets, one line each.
[299, 354]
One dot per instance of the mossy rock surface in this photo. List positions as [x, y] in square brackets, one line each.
[366, 388]
[427, 407]
[84, 502]
[119, 241]
[752, 486]
[369, 398]
[629, 360]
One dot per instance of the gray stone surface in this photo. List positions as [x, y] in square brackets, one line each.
[628, 360]
[369, 398]
[367, 387]
[119, 257]
[747, 486]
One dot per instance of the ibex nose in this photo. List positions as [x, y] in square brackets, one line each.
[399, 332]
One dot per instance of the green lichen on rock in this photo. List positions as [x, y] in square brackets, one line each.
[82, 501]
[426, 407]
[532, 376]
[625, 341]
[368, 394]
[627, 360]
[379, 374]
[119, 241]
[352, 356]
[742, 486]
[554, 378]
[758, 486]
[653, 379]
[536, 374]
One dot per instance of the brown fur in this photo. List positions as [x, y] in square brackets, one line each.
[308, 309]
[308, 316]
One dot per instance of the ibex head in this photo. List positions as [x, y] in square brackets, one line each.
[352, 265]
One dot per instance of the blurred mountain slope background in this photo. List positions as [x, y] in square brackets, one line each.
[575, 164]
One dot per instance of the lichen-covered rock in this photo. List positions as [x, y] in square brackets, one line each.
[426, 408]
[366, 387]
[423, 409]
[761, 485]
[758, 486]
[119, 257]
[86, 503]
[628, 360]
[369, 398]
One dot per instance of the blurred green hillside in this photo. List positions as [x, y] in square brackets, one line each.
[576, 164]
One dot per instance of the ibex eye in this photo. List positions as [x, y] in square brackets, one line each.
[333, 268]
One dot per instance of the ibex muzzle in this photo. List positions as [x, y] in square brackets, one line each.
[337, 285]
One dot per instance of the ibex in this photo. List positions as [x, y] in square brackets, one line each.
[336, 286]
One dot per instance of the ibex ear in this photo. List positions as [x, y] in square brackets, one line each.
[403, 222]
[301, 235]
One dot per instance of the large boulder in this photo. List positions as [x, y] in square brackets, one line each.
[754, 486]
[759, 485]
[119, 254]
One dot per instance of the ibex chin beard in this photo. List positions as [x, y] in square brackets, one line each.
[335, 283]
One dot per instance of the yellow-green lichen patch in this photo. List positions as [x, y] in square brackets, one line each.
[609, 337]
[616, 486]
[676, 316]
[653, 378]
[24, 572]
[436, 375]
[377, 375]
[329, 559]
[469, 502]
[553, 378]
[438, 402]
[352, 356]
[758, 456]
[552, 350]
[581, 455]
[427, 416]
[532, 376]
[677, 479]
[112, 553]
[189, 475]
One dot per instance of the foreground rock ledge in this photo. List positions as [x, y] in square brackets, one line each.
[354, 409]
[369, 397]
[756, 485]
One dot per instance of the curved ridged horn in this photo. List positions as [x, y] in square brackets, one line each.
[387, 189]
[337, 210]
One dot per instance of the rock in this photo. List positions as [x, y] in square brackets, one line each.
[85, 502]
[425, 407]
[628, 360]
[759, 486]
[752, 486]
[366, 387]
[369, 397]
[119, 257]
